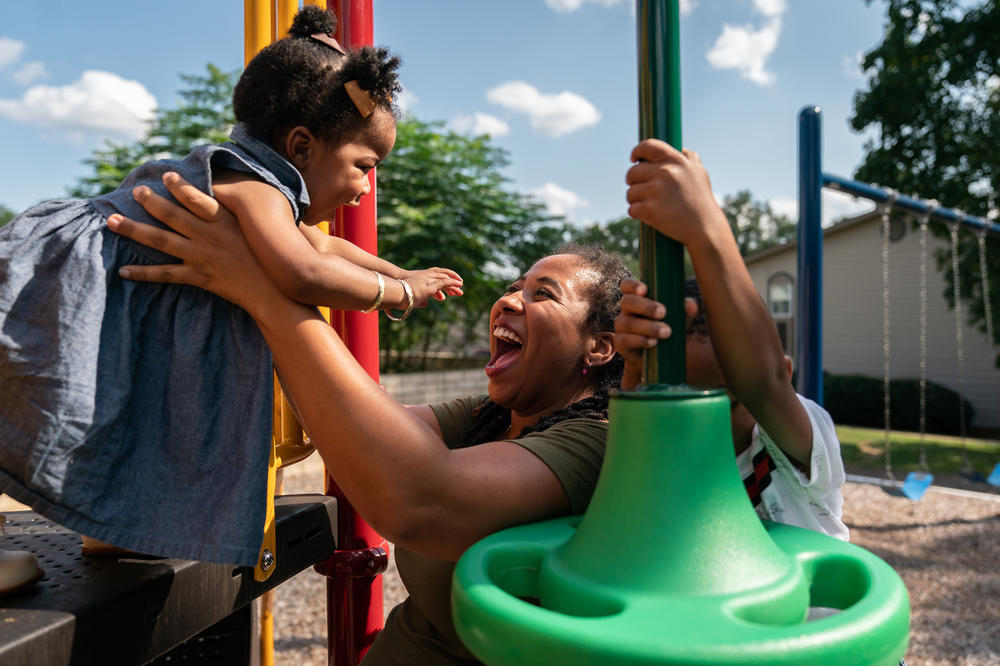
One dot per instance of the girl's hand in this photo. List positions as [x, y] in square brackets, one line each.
[214, 254]
[433, 283]
[669, 190]
[640, 327]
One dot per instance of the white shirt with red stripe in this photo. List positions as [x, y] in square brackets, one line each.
[782, 493]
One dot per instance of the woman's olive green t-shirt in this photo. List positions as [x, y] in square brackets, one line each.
[420, 630]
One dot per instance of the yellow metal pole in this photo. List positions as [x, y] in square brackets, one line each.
[267, 629]
[264, 22]
[258, 27]
[324, 226]
[284, 13]
[258, 32]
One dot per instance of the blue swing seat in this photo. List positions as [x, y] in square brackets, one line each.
[994, 478]
[916, 484]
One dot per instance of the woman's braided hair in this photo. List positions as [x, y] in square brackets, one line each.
[300, 81]
[605, 295]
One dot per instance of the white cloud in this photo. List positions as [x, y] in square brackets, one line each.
[770, 8]
[837, 206]
[98, 102]
[480, 123]
[852, 66]
[550, 114]
[687, 6]
[558, 201]
[10, 51]
[834, 206]
[406, 99]
[746, 50]
[27, 73]
[567, 6]
[786, 206]
[30, 72]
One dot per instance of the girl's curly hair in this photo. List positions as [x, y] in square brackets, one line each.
[300, 81]
[605, 295]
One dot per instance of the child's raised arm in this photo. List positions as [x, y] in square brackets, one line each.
[670, 190]
[308, 275]
[342, 247]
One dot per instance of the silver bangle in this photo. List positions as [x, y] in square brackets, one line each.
[378, 296]
[409, 303]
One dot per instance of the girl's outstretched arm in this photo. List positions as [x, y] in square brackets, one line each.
[391, 464]
[342, 247]
[292, 261]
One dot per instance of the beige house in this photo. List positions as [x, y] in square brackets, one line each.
[853, 311]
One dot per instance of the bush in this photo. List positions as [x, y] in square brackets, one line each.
[858, 400]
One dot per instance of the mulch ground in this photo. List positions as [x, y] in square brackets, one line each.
[946, 547]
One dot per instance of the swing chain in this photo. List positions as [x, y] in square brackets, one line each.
[984, 273]
[925, 219]
[885, 208]
[985, 277]
[959, 342]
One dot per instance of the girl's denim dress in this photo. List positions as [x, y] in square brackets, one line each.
[135, 413]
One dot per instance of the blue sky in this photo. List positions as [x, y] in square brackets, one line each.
[553, 81]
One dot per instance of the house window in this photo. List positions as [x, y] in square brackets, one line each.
[897, 228]
[780, 295]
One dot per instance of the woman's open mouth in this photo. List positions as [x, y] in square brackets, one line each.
[507, 349]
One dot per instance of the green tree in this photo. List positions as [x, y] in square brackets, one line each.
[620, 236]
[755, 225]
[443, 201]
[932, 108]
[6, 215]
[204, 116]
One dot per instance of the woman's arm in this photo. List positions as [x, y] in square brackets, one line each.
[390, 463]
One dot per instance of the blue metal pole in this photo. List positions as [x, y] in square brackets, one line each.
[809, 300]
[878, 195]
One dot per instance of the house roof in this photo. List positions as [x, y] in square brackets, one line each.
[836, 227]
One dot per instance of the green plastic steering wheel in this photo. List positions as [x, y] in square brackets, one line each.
[671, 565]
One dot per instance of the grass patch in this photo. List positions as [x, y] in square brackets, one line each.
[865, 448]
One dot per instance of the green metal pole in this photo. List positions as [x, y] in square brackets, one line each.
[661, 259]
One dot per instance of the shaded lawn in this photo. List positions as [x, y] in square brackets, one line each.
[864, 448]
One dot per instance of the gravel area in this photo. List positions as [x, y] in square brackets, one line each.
[946, 547]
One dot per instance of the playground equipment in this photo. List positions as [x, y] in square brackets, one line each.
[354, 589]
[699, 580]
[916, 483]
[810, 293]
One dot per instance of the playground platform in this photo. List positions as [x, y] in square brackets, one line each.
[140, 610]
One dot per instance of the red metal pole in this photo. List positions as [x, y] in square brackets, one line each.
[354, 588]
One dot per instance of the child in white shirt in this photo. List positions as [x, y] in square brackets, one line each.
[786, 447]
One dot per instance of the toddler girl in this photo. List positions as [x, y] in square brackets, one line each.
[112, 422]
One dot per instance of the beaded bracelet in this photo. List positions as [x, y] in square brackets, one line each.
[409, 303]
[378, 296]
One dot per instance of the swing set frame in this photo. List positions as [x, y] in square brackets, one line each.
[809, 295]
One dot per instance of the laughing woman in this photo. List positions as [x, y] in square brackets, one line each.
[432, 479]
